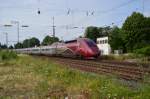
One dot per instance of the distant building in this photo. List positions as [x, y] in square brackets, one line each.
[118, 52]
[103, 45]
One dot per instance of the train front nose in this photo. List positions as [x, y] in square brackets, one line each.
[93, 52]
[92, 49]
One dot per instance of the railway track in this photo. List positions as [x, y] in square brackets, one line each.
[121, 70]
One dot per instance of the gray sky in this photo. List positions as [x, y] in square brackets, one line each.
[105, 12]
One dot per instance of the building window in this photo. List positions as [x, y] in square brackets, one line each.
[106, 41]
[103, 41]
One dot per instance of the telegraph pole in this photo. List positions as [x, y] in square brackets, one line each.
[18, 30]
[17, 22]
[6, 39]
[143, 6]
[53, 27]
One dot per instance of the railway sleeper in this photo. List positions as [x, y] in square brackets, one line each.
[102, 70]
[100, 65]
[116, 69]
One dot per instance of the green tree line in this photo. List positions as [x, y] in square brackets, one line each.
[132, 36]
[32, 42]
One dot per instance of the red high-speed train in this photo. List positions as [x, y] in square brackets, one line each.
[81, 47]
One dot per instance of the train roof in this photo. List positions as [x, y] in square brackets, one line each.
[71, 41]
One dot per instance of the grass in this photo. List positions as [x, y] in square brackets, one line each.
[7, 55]
[38, 78]
[139, 58]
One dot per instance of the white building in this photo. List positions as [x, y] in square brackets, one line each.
[103, 45]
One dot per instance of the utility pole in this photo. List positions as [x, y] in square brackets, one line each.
[18, 30]
[18, 35]
[53, 27]
[28, 43]
[6, 39]
[143, 6]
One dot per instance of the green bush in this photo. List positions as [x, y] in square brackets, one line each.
[6, 54]
[107, 57]
[145, 51]
[121, 57]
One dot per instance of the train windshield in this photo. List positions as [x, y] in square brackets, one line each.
[91, 43]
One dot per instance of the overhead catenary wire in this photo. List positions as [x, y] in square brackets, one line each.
[39, 12]
[88, 13]
[143, 8]
[68, 9]
[90, 16]
[106, 11]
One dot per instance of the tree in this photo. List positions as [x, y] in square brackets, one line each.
[31, 42]
[104, 31]
[26, 43]
[115, 39]
[49, 40]
[100, 30]
[4, 46]
[136, 31]
[11, 47]
[34, 42]
[18, 45]
[147, 29]
[92, 32]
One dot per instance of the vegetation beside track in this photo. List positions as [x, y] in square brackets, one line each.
[131, 57]
[7, 55]
[34, 77]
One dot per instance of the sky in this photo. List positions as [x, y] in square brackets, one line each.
[67, 14]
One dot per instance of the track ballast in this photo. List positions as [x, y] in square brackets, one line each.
[123, 70]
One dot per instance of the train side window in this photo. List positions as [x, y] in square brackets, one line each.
[47, 49]
[35, 49]
[98, 42]
[91, 43]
